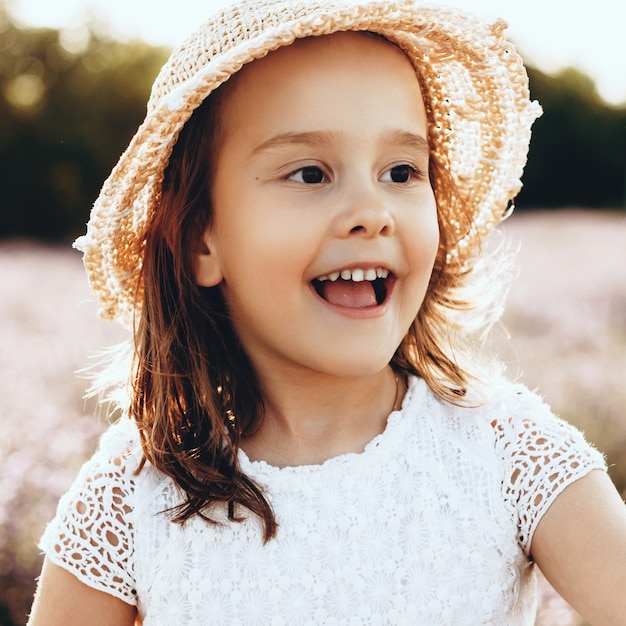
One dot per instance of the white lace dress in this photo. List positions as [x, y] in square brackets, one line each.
[431, 524]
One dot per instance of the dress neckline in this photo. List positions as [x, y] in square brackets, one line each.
[415, 395]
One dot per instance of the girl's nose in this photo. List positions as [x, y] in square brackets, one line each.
[366, 214]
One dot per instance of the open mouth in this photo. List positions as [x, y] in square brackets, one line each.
[357, 288]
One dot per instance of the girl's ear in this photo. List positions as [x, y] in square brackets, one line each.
[207, 269]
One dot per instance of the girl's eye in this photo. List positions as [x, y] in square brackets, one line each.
[310, 174]
[400, 174]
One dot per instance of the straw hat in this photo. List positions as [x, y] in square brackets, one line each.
[474, 85]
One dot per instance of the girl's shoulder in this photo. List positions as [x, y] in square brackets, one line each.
[121, 439]
[525, 426]
[92, 533]
[539, 453]
[508, 414]
[511, 444]
[519, 417]
[114, 465]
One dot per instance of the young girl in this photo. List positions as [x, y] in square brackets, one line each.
[314, 436]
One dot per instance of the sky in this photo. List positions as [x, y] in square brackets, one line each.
[550, 34]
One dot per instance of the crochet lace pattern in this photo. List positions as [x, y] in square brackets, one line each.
[431, 524]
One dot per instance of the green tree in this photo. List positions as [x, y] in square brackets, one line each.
[578, 149]
[65, 116]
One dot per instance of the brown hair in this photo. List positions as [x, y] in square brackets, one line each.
[195, 393]
[191, 374]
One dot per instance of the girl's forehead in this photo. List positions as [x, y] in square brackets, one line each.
[307, 54]
[349, 85]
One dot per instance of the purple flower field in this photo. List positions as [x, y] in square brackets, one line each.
[566, 316]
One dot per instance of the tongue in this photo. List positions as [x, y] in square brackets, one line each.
[349, 294]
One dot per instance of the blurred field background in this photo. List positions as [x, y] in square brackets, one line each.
[69, 102]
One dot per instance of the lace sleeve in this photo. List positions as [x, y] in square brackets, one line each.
[91, 535]
[542, 455]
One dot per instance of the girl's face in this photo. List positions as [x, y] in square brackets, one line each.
[324, 229]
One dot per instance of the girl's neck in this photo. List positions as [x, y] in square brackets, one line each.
[308, 423]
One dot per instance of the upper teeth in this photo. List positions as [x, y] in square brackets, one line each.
[357, 275]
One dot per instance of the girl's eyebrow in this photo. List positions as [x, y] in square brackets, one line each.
[406, 139]
[394, 137]
[312, 138]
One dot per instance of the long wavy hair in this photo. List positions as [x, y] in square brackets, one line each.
[194, 393]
